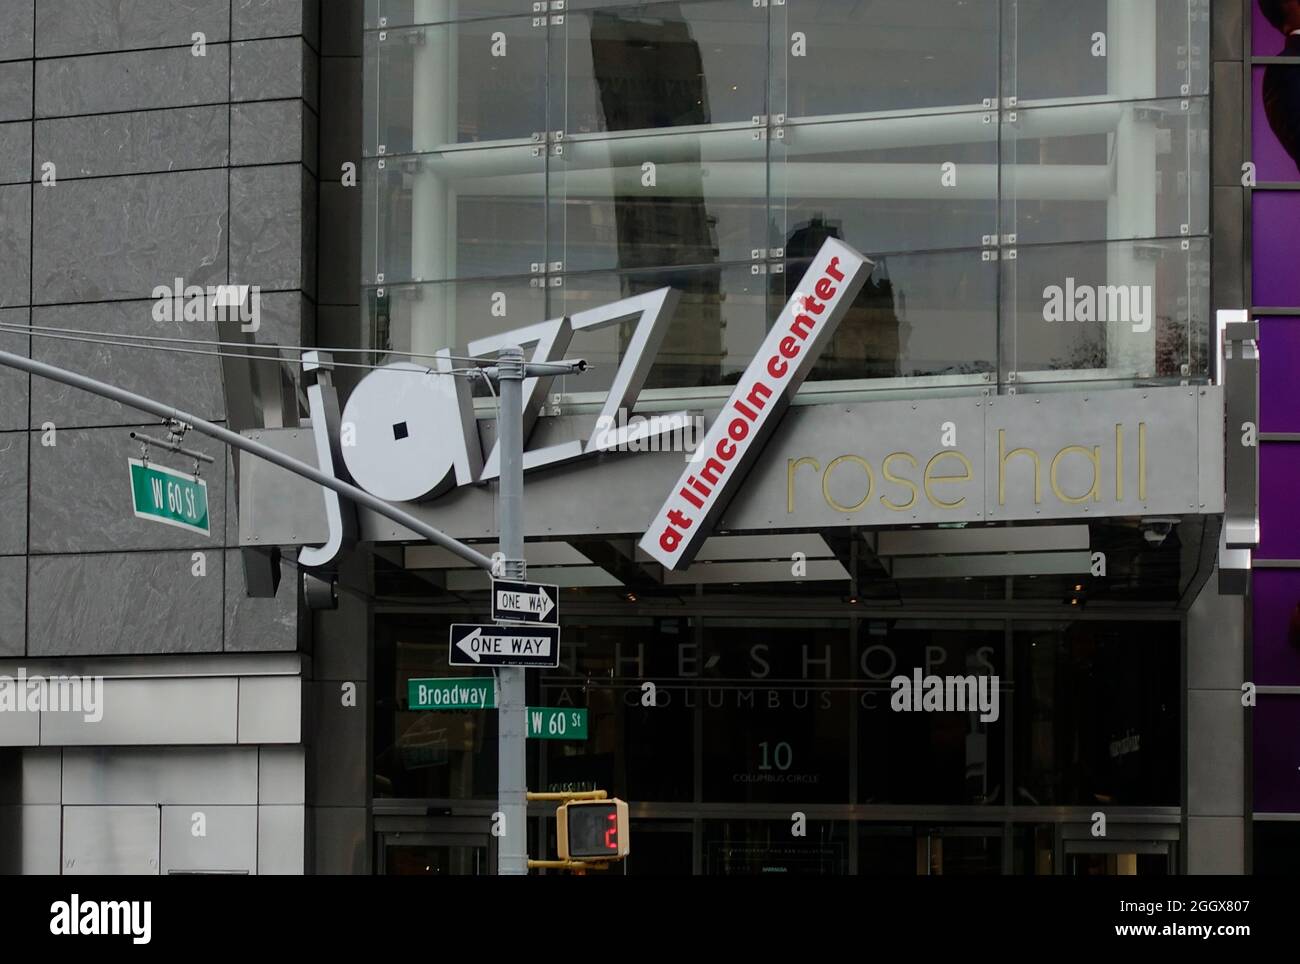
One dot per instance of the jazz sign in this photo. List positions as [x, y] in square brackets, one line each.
[413, 438]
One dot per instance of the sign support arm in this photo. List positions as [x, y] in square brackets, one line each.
[145, 404]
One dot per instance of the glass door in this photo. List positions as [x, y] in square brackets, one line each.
[435, 852]
[1124, 858]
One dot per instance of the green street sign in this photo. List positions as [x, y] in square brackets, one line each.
[550, 723]
[478, 693]
[170, 497]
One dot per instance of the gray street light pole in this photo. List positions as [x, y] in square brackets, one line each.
[512, 789]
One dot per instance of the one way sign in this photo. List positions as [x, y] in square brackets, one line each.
[486, 645]
[525, 602]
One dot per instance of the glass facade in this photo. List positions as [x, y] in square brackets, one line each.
[1031, 179]
[746, 721]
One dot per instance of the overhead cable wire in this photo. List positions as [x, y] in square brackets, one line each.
[242, 344]
[416, 370]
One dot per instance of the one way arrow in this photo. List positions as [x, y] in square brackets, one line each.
[464, 644]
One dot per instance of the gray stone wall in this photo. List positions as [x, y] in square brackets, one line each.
[215, 168]
[166, 165]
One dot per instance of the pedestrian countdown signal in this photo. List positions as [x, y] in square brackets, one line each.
[593, 830]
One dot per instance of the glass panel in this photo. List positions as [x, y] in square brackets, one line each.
[427, 753]
[1116, 863]
[632, 751]
[1105, 49]
[455, 214]
[1034, 850]
[841, 58]
[719, 321]
[767, 847]
[666, 199]
[886, 851]
[1275, 604]
[1273, 219]
[956, 852]
[1280, 337]
[1096, 714]
[1125, 310]
[1275, 848]
[931, 751]
[1095, 172]
[660, 65]
[900, 184]
[660, 850]
[436, 860]
[1275, 119]
[776, 712]
[427, 318]
[454, 84]
[402, 13]
[918, 315]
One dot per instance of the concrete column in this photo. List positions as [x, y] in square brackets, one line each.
[1217, 826]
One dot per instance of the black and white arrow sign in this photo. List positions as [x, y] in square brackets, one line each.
[486, 645]
[525, 602]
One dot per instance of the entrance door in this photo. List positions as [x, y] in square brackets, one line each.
[435, 846]
[1123, 858]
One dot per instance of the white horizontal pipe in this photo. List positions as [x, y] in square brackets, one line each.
[595, 151]
[814, 180]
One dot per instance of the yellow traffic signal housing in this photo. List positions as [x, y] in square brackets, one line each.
[593, 830]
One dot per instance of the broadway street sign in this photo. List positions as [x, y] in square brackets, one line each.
[525, 602]
[478, 693]
[170, 497]
[488, 645]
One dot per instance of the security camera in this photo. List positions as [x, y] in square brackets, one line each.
[1155, 531]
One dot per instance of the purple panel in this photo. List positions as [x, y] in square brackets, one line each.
[1272, 163]
[1265, 39]
[1276, 216]
[1279, 500]
[1276, 626]
[1277, 754]
[1279, 374]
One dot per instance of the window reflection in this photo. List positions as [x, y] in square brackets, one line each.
[1123, 310]
[659, 65]
[1105, 50]
[478, 81]
[916, 756]
[1097, 715]
[890, 55]
[715, 136]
